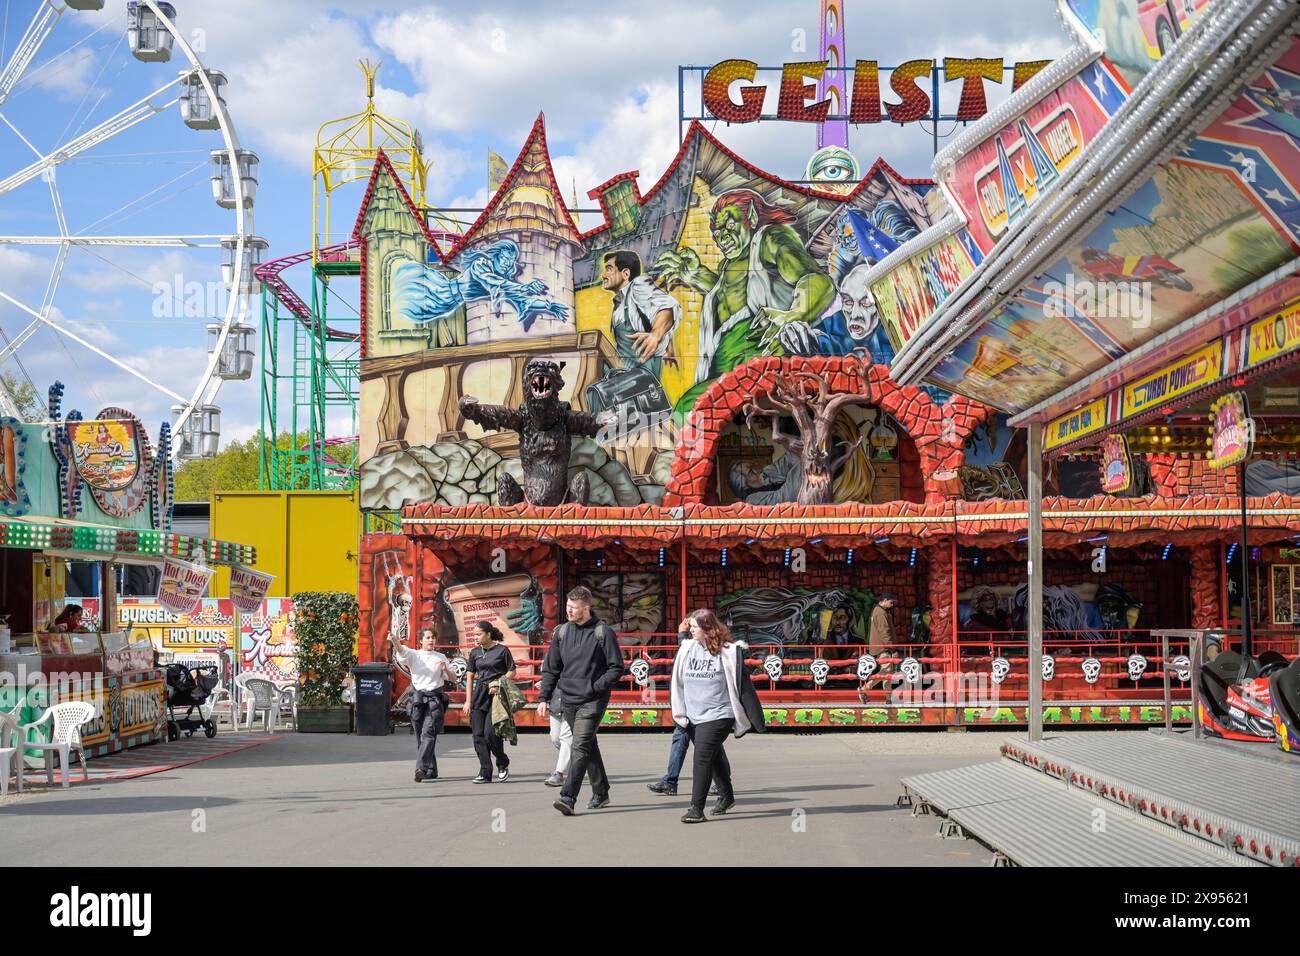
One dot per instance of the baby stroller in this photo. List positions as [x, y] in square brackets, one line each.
[189, 689]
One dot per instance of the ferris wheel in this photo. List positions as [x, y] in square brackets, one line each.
[87, 180]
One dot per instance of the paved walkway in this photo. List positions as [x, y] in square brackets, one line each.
[818, 799]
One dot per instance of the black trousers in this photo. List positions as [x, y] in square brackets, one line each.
[710, 760]
[427, 711]
[486, 742]
[585, 759]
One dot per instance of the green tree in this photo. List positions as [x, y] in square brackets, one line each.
[237, 467]
[24, 395]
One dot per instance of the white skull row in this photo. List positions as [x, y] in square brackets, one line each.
[867, 665]
[820, 669]
[773, 665]
[1137, 665]
[1182, 667]
[640, 669]
[459, 667]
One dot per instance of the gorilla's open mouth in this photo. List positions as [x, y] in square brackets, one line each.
[540, 386]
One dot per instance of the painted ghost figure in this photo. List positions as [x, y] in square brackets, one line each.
[855, 326]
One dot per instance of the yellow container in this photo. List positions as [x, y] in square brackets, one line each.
[308, 539]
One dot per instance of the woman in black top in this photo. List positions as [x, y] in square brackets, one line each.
[490, 660]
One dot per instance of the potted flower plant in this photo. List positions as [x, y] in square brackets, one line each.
[325, 639]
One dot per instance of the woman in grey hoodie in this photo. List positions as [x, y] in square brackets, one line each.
[712, 695]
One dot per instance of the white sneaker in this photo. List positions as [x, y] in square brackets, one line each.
[503, 774]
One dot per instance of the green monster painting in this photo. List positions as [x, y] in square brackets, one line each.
[767, 279]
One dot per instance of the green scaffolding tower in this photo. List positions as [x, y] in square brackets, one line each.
[310, 365]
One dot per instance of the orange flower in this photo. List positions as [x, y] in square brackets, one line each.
[302, 678]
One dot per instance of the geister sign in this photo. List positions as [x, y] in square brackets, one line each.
[909, 81]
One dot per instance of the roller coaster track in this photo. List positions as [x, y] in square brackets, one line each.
[268, 273]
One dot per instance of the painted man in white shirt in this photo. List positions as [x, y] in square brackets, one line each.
[644, 316]
[429, 671]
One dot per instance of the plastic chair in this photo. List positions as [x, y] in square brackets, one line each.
[264, 698]
[220, 706]
[10, 751]
[65, 737]
[243, 696]
[289, 704]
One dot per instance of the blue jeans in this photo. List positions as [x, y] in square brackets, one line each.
[677, 757]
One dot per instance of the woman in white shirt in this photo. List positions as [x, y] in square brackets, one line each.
[712, 695]
[429, 670]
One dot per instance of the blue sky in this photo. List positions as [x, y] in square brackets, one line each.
[468, 76]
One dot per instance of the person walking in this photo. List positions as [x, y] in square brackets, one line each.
[561, 738]
[712, 695]
[490, 660]
[429, 671]
[881, 638]
[681, 743]
[583, 663]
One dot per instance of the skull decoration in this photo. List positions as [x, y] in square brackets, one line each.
[640, 669]
[1091, 670]
[773, 665]
[1182, 667]
[820, 668]
[1001, 668]
[911, 669]
[1049, 667]
[1137, 665]
[867, 665]
[460, 668]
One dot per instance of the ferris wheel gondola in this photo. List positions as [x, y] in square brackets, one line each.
[198, 93]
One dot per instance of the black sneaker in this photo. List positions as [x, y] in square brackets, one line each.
[694, 815]
[723, 805]
[564, 806]
[481, 779]
[503, 774]
[419, 776]
[597, 802]
[664, 789]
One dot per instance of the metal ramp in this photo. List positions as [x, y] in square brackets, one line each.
[1244, 802]
[1032, 820]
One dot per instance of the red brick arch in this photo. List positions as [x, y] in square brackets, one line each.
[940, 432]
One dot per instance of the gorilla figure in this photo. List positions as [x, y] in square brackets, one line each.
[545, 426]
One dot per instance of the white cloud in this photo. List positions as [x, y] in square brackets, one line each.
[69, 75]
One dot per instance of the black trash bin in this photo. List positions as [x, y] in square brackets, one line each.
[374, 687]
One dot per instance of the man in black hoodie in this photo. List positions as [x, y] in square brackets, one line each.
[584, 662]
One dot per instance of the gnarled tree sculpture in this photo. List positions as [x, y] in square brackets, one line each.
[805, 397]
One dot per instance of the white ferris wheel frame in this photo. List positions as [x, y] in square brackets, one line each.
[46, 164]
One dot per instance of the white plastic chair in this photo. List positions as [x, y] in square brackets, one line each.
[264, 698]
[11, 754]
[289, 704]
[243, 696]
[65, 737]
[220, 706]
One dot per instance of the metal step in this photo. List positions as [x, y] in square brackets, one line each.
[1032, 820]
[1217, 794]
